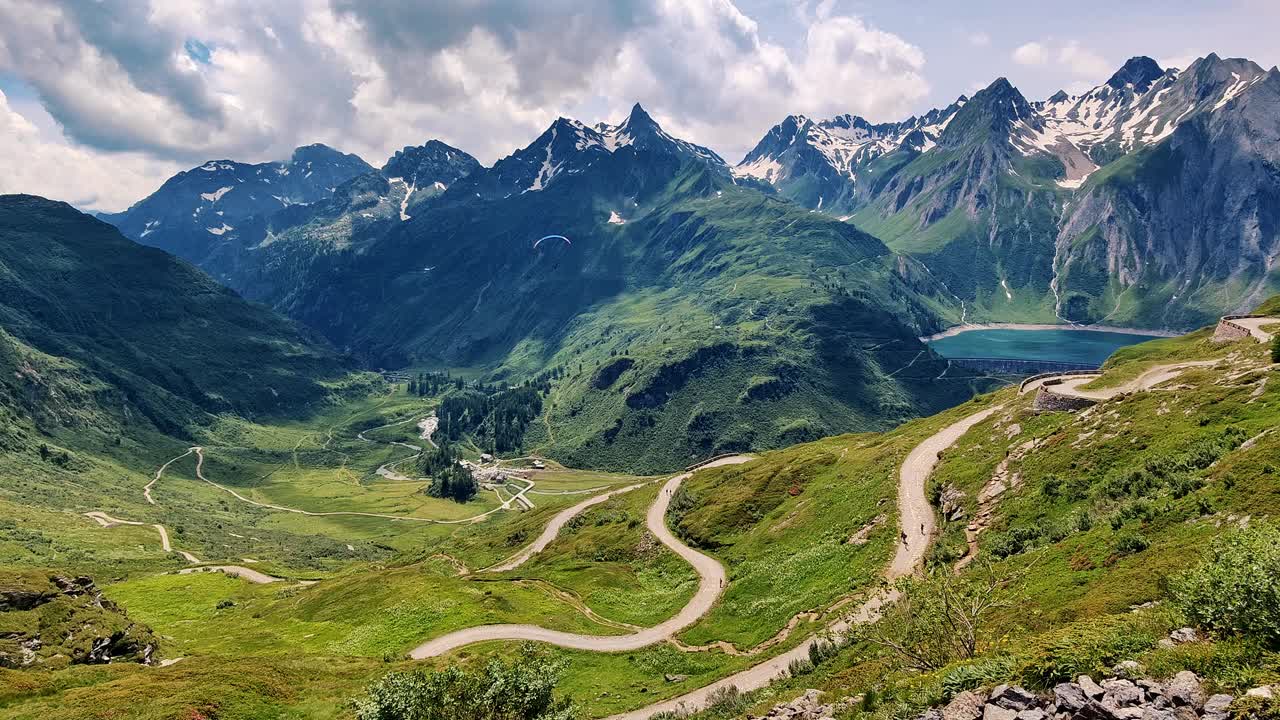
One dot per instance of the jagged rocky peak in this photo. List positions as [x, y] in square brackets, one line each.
[1212, 70]
[1060, 96]
[431, 162]
[993, 111]
[1139, 71]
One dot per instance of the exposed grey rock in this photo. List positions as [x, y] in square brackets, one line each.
[672, 678]
[1266, 692]
[1154, 713]
[1090, 688]
[992, 711]
[1215, 708]
[1184, 635]
[1184, 690]
[1128, 669]
[964, 706]
[1032, 714]
[1121, 693]
[1012, 697]
[1069, 697]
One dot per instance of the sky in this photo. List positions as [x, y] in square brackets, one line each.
[102, 100]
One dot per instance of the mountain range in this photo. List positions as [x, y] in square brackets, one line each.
[1148, 201]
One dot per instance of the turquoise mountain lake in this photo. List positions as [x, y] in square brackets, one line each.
[1073, 346]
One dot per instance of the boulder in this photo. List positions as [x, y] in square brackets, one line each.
[672, 678]
[1130, 669]
[1121, 693]
[992, 711]
[1090, 688]
[1266, 692]
[1032, 714]
[1184, 635]
[1069, 697]
[964, 706]
[1154, 713]
[1215, 708]
[1012, 697]
[1184, 690]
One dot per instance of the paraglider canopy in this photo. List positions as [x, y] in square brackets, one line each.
[551, 237]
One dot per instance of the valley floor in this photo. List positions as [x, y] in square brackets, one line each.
[721, 577]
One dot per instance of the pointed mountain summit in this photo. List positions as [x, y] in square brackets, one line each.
[571, 148]
[431, 164]
[992, 113]
[1138, 71]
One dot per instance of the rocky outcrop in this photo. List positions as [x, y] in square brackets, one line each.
[53, 621]
[809, 706]
[1127, 695]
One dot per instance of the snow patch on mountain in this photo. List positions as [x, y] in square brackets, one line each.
[216, 195]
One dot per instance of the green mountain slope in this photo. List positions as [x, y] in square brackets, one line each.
[97, 332]
[686, 316]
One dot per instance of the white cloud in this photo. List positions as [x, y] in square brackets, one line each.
[1071, 57]
[1032, 53]
[486, 76]
[979, 39]
[1084, 62]
[37, 162]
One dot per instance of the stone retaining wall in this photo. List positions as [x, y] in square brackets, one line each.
[1228, 331]
[1050, 401]
[1071, 373]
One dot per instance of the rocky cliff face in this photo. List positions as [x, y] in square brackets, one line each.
[1185, 229]
[1148, 200]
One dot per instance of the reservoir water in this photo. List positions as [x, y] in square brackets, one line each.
[1073, 346]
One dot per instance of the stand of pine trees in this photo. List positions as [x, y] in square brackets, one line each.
[449, 479]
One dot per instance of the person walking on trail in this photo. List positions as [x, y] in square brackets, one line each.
[903, 534]
[921, 528]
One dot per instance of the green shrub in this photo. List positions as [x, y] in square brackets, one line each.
[799, 666]
[518, 689]
[1275, 348]
[1089, 647]
[1236, 589]
[987, 671]
[1131, 543]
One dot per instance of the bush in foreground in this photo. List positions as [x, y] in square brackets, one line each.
[1236, 589]
[519, 689]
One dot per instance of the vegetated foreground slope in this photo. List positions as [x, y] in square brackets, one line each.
[1081, 534]
[99, 334]
[802, 531]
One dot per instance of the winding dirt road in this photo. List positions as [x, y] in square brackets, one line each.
[553, 528]
[711, 583]
[917, 524]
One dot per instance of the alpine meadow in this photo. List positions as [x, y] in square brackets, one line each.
[427, 361]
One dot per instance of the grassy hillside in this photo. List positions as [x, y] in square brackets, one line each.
[804, 531]
[1101, 513]
[99, 332]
